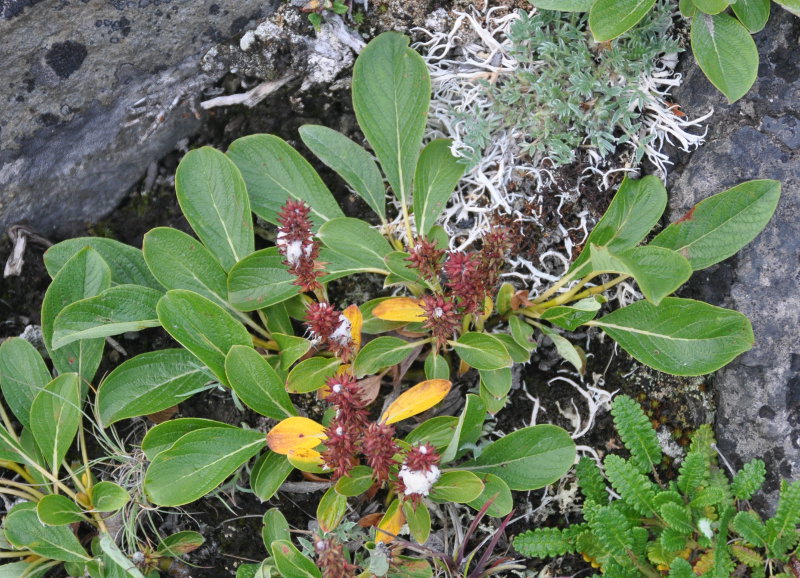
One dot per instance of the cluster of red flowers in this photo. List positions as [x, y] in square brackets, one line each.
[419, 472]
[350, 433]
[297, 245]
[329, 326]
[468, 278]
[331, 559]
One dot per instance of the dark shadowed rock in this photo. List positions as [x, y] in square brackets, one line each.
[92, 92]
[756, 138]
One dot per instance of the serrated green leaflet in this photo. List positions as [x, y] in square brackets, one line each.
[527, 459]
[202, 327]
[275, 172]
[179, 261]
[679, 336]
[55, 417]
[198, 462]
[149, 383]
[435, 178]
[725, 52]
[23, 374]
[635, 209]
[720, 225]
[350, 161]
[116, 310]
[657, 271]
[610, 18]
[126, 263]
[358, 242]
[391, 94]
[482, 351]
[164, 435]
[24, 530]
[311, 374]
[268, 473]
[382, 352]
[86, 274]
[257, 384]
[213, 198]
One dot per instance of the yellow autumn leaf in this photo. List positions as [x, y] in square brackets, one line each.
[399, 309]
[353, 315]
[392, 522]
[306, 460]
[295, 433]
[419, 398]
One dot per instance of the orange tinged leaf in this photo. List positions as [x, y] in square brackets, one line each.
[391, 523]
[399, 309]
[353, 315]
[419, 398]
[370, 520]
[295, 433]
[306, 460]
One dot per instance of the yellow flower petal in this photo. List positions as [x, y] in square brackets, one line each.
[419, 398]
[399, 309]
[295, 433]
[307, 460]
[392, 522]
[353, 314]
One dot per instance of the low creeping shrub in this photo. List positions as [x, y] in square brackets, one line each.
[701, 524]
[233, 311]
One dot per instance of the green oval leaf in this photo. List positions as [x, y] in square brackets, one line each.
[179, 261]
[418, 519]
[436, 367]
[570, 317]
[55, 417]
[456, 486]
[202, 327]
[611, 18]
[260, 280]
[382, 352]
[275, 527]
[198, 462]
[275, 172]
[257, 384]
[357, 481]
[350, 161]
[331, 509]
[711, 6]
[213, 198]
[435, 179]
[496, 490]
[311, 374]
[291, 348]
[109, 497]
[268, 473]
[634, 211]
[497, 381]
[482, 351]
[23, 374]
[358, 242]
[720, 225]
[657, 271]
[126, 263]
[116, 310]
[679, 336]
[725, 52]
[180, 543]
[527, 459]
[752, 13]
[58, 510]
[149, 383]
[24, 531]
[291, 563]
[86, 274]
[164, 435]
[469, 427]
[437, 431]
[391, 95]
[564, 5]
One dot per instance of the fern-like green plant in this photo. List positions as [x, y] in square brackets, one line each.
[700, 524]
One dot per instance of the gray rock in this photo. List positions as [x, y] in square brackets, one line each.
[758, 395]
[92, 92]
